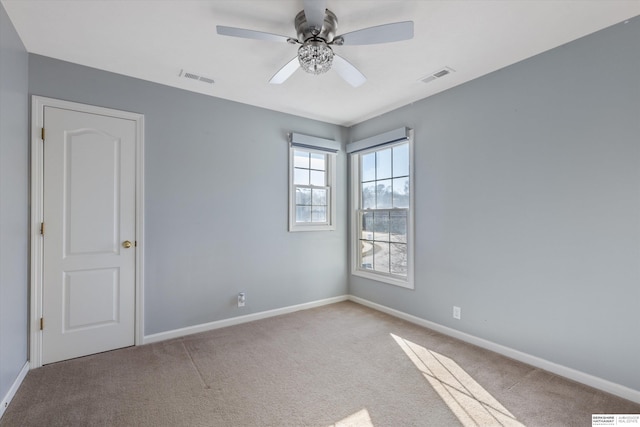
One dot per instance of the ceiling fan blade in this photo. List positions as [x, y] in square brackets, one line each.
[249, 34]
[314, 11]
[347, 71]
[380, 34]
[285, 72]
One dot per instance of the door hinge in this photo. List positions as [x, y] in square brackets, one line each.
[42, 134]
[42, 323]
[135, 243]
[42, 228]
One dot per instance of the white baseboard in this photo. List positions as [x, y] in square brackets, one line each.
[575, 375]
[177, 333]
[14, 388]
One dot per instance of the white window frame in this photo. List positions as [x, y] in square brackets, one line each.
[356, 199]
[330, 178]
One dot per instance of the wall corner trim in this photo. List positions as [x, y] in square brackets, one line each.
[204, 327]
[563, 371]
[14, 388]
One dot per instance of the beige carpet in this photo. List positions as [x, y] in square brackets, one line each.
[342, 364]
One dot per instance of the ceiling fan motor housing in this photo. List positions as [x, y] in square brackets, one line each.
[326, 33]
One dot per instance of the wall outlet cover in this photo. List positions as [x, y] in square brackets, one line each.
[241, 299]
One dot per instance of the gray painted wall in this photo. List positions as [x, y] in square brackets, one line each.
[527, 203]
[527, 193]
[14, 191]
[216, 183]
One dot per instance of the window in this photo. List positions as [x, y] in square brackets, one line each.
[311, 195]
[382, 208]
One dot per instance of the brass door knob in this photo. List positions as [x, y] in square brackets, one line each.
[126, 244]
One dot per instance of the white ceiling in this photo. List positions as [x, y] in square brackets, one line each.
[155, 39]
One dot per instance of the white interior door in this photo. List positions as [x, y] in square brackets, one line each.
[88, 300]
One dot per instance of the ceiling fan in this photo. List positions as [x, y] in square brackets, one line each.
[316, 28]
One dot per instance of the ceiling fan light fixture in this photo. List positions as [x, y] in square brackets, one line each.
[315, 56]
[316, 28]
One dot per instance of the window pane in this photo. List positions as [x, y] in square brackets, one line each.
[318, 214]
[381, 226]
[300, 159]
[383, 164]
[381, 257]
[303, 196]
[367, 226]
[369, 195]
[310, 186]
[319, 197]
[369, 167]
[401, 192]
[301, 176]
[401, 160]
[317, 161]
[398, 259]
[303, 213]
[317, 178]
[398, 226]
[383, 194]
[366, 254]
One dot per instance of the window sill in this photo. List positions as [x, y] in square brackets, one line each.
[407, 284]
[295, 228]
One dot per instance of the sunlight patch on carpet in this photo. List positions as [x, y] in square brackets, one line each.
[359, 419]
[470, 403]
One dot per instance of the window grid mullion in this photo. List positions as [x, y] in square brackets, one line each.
[311, 204]
[374, 239]
[375, 182]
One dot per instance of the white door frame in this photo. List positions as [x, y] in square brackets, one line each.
[37, 175]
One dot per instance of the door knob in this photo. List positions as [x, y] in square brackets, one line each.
[126, 244]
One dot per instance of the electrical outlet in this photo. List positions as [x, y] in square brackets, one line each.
[456, 312]
[241, 299]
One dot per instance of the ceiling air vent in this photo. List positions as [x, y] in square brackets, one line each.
[437, 74]
[193, 76]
